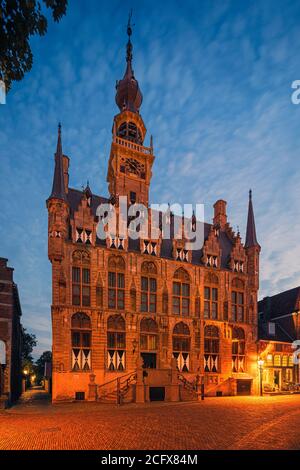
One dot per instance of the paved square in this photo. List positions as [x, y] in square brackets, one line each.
[216, 423]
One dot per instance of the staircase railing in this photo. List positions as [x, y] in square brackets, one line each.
[194, 386]
[118, 385]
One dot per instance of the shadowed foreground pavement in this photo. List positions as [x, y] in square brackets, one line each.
[217, 423]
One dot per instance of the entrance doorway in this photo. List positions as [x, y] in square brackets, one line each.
[157, 393]
[149, 360]
[243, 387]
[277, 379]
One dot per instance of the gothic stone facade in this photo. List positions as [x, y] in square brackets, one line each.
[118, 304]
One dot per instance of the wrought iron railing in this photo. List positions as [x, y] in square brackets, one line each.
[196, 386]
[117, 387]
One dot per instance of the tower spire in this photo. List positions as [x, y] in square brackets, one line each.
[129, 96]
[251, 239]
[58, 187]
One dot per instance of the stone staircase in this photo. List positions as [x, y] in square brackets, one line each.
[118, 390]
[189, 389]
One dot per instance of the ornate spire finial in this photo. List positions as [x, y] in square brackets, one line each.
[129, 28]
[129, 33]
[250, 193]
[59, 145]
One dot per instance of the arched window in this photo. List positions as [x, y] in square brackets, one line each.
[211, 295]
[149, 342]
[182, 346]
[148, 287]
[129, 131]
[237, 301]
[81, 342]
[211, 349]
[238, 350]
[181, 293]
[116, 283]
[116, 342]
[81, 278]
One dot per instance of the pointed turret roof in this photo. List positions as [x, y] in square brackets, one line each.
[251, 239]
[58, 188]
[129, 96]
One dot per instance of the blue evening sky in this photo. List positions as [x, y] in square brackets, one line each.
[216, 77]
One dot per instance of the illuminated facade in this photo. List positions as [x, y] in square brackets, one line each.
[146, 319]
[279, 327]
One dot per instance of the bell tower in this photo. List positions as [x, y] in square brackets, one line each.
[130, 162]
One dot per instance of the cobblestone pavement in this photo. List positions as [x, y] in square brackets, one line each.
[216, 423]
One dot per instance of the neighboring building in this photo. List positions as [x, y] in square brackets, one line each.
[279, 326]
[10, 336]
[117, 303]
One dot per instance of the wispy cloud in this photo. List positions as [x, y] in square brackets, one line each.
[216, 80]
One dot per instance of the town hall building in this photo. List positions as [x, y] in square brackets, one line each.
[147, 319]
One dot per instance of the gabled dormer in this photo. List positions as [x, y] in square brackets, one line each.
[83, 223]
[211, 250]
[238, 256]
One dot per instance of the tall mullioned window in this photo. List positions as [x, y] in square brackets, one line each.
[116, 343]
[116, 283]
[148, 294]
[211, 302]
[81, 279]
[81, 336]
[211, 349]
[181, 293]
[238, 350]
[182, 346]
[237, 301]
[148, 287]
[211, 296]
[149, 342]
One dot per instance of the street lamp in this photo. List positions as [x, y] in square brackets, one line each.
[260, 363]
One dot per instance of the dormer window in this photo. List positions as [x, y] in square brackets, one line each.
[181, 254]
[83, 236]
[149, 248]
[212, 261]
[238, 266]
[217, 231]
[55, 234]
[116, 242]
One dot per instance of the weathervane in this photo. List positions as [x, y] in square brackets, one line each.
[129, 32]
[129, 27]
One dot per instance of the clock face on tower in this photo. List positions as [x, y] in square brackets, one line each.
[132, 167]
